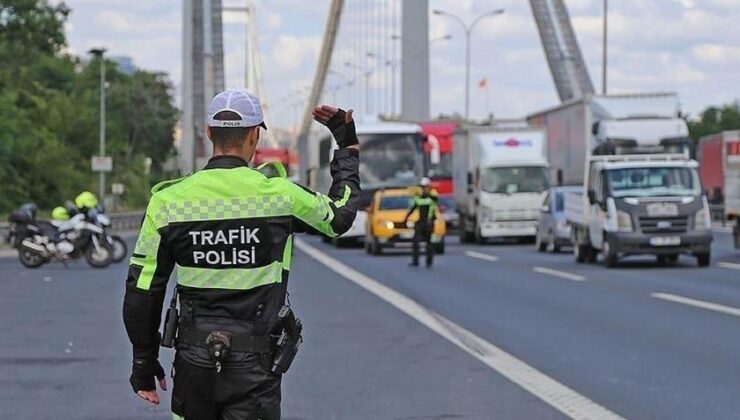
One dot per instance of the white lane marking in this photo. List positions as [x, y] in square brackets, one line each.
[559, 396]
[729, 310]
[731, 266]
[558, 273]
[481, 256]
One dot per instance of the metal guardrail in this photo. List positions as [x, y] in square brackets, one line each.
[120, 222]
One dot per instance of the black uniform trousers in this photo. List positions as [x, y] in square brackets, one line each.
[422, 233]
[247, 392]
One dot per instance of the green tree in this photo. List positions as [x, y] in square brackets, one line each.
[715, 119]
[49, 105]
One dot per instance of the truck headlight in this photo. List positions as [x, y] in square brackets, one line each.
[624, 221]
[702, 220]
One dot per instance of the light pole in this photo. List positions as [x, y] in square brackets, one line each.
[99, 54]
[604, 52]
[468, 31]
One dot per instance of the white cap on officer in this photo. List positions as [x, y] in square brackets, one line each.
[240, 102]
[425, 182]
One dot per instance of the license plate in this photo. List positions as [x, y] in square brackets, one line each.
[665, 241]
[662, 209]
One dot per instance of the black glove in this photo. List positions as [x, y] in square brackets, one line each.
[143, 372]
[344, 132]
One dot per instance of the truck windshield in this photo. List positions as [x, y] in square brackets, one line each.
[646, 182]
[399, 202]
[514, 179]
[390, 160]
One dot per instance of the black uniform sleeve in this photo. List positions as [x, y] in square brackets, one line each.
[334, 213]
[146, 284]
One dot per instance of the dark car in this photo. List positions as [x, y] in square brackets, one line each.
[553, 232]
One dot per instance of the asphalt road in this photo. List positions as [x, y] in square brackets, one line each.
[492, 331]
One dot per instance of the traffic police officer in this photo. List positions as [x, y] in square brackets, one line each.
[426, 204]
[227, 232]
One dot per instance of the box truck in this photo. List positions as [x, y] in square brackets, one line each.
[719, 155]
[500, 179]
[642, 191]
[606, 123]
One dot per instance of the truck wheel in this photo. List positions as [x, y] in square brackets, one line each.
[610, 257]
[465, 236]
[540, 245]
[479, 239]
[591, 254]
[580, 253]
[704, 259]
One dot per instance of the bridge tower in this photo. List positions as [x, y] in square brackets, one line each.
[561, 47]
[202, 76]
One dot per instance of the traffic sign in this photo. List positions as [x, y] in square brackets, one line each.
[102, 163]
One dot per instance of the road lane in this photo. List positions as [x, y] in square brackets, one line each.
[562, 398]
[66, 355]
[607, 339]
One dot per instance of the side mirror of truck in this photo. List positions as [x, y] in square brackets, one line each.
[545, 209]
[470, 178]
[591, 196]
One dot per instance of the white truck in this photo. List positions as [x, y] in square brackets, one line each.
[642, 191]
[604, 125]
[500, 179]
[640, 204]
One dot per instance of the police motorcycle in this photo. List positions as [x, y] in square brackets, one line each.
[39, 242]
[98, 216]
[87, 204]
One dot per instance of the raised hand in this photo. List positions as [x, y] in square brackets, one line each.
[339, 122]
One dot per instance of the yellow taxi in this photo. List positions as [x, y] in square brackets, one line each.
[385, 227]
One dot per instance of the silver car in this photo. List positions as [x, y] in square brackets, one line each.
[553, 232]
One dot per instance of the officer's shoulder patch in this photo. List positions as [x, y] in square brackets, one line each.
[166, 184]
[273, 169]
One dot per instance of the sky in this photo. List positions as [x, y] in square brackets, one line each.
[688, 46]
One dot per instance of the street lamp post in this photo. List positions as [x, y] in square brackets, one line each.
[468, 31]
[604, 51]
[99, 54]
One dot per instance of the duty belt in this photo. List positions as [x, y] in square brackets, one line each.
[243, 343]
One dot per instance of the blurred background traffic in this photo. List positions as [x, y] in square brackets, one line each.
[555, 133]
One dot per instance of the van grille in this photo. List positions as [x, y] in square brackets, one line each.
[664, 224]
